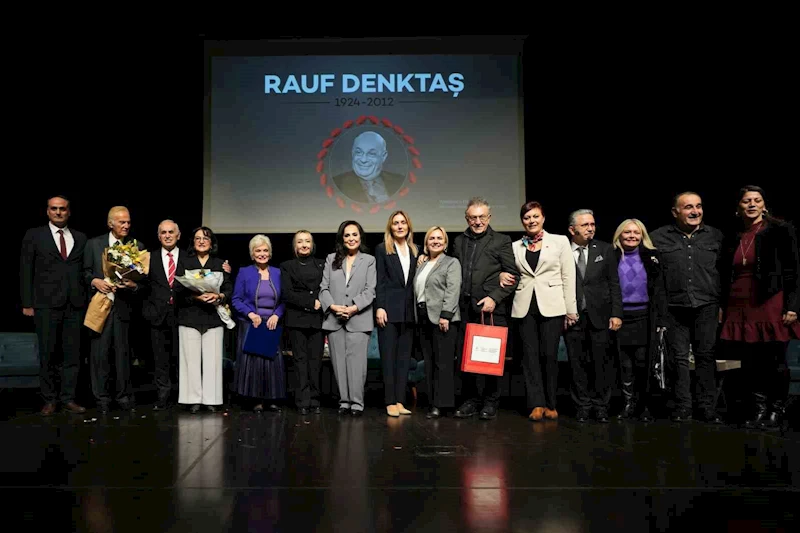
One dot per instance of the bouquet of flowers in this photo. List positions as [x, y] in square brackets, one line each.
[120, 262]
[125, 261]
[202, 281]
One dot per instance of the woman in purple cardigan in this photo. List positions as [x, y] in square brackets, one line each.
[257, 298]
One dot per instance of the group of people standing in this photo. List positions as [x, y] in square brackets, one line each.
[611, 302]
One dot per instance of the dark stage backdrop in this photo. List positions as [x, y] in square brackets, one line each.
[598, 132]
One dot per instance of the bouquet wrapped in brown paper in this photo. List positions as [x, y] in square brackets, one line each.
[120, 262]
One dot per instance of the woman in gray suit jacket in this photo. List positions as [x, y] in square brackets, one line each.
[437, 285]
[346, 293]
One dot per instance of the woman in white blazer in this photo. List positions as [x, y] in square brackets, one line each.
[545, 303]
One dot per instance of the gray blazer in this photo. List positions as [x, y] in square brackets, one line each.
[358, 291]
[442, 289]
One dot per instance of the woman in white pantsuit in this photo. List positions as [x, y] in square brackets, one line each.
[347, 293]
[200, 329]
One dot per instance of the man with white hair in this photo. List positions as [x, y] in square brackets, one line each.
[368, 182]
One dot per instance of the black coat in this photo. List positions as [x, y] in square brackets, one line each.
[299, 290]
[393, 293]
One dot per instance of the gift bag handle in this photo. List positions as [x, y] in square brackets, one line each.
[491, 318]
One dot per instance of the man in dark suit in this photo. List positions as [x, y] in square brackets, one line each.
[600, 311]
[483, 254]
[116, 329]
[159, 310]
[53, 294]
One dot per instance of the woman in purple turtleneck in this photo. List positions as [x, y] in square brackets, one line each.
[644, 307]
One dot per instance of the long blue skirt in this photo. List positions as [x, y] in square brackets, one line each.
[258, 377]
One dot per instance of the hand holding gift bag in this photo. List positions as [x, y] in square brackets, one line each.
[484, 348]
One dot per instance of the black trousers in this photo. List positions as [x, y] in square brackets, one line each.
[164, 341]
[477, 389]
[115, 333]
[439, 352]
[54, 327]
[696, 327]
[635, 373]
[540, 336]
[394, 343]
[591, 363]
[307, 347]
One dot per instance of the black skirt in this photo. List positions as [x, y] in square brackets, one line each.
[635, 328]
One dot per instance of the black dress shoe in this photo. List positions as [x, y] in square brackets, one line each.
[127, 405]
[681, 415]
[194, 409]
[489, 412]
[274, 408]
[645, 415]
[356, 413]
[343, 411]
[212, 408]
[303, 410]
[601, 415]
[433, 413]
[466, 410]
[160, 406]
[710, 416]
[582, 415]
[316, 410]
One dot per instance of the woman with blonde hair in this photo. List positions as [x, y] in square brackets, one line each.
[644, 308]
[395, 264]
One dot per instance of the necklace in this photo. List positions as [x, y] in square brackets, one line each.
[744, 251]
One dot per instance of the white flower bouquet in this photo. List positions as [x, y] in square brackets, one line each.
[203, 281]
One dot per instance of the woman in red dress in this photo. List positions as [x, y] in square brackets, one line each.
[759, 278]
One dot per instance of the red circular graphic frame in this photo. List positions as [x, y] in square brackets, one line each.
[416, 162]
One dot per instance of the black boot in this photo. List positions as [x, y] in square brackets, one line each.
[776, 412]
[760, 413]
[630, 401]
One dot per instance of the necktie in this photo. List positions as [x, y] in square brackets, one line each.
[170, 272]
[581, 261]
[63, 245]
[582, 269]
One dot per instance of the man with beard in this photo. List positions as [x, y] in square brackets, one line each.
[690, 251]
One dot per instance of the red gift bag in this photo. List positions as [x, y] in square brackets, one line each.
[484, 348]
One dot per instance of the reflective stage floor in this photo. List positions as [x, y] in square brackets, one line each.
[244, 472]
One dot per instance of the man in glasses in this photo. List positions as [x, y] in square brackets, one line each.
[483, 254]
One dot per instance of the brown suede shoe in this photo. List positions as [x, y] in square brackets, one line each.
[73, 407]
[550, 414]
[537, 414]
[48, 409]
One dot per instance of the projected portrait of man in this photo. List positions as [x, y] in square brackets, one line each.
[368, 182]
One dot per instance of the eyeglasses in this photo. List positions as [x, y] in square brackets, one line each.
[482, 218]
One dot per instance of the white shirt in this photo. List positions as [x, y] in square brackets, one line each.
[68, 238]
[165, 260]
[112, 240]
[419, 284]
[576, 249]
[405, 260]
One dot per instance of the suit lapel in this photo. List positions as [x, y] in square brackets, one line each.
[519, 253]
[592, 256]
[433, 269]
[356, 262]
[544, 256]
[51, 242]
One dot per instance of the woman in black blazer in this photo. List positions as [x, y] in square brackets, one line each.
[200, 329]
[300, 278]
[644, 308]
[758, 269]
[396, 264]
